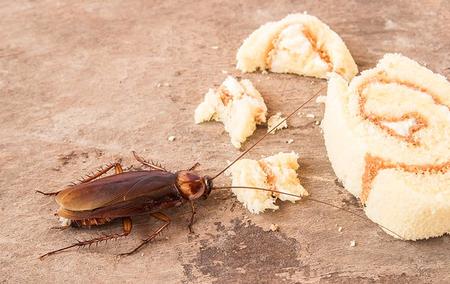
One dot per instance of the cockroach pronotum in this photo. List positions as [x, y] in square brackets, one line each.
[98, 200]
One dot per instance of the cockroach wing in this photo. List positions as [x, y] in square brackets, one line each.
[113, 189]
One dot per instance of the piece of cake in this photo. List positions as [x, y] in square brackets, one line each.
[238, 105]
[277, 172]
[387, 135]
[299, 44]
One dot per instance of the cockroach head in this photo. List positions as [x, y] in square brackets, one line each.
[192, 186]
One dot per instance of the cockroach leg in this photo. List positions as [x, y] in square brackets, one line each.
[117, 166]
[151, 165]
[191, 222]
[160, 216]
[194, 166]
[60, 227]
[126, 224]
[48, 193]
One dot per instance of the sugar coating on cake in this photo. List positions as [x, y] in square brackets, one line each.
[387, 135]
[238, 105]
[274, 120]
[299, 44]
[277, 172]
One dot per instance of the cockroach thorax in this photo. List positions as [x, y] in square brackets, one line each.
[192, 186]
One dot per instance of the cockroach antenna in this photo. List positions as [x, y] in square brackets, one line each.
[268, 132]
[314, 200]
[290, 194]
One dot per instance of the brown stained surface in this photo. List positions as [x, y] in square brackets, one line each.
[79, 88]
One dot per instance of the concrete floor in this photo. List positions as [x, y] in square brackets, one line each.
[85, 82]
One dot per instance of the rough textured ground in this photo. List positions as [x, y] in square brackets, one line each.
[79, 88]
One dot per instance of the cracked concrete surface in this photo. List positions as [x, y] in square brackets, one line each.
[85, 82]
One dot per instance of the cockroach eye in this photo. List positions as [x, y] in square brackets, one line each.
[209, 185]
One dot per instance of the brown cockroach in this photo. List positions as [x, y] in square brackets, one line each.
[98, 200]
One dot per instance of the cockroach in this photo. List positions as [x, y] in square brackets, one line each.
[98, 200]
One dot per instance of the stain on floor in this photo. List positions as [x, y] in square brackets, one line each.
[238, 252]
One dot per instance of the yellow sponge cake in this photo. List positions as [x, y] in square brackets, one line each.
[387, 135]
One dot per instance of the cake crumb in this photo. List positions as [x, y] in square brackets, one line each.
[321, 99]
[353, 243]
[310, 115]
[158, 85]
[224, 72]
[390, 25]
[171, 138]
[166, 84]
[274, 120]
[290, 141]
[317, 122]
[264, 72]
[274, 227]
[237, 104]
[340, 229]
[278, 172]
[142, 254]
[214, 47]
